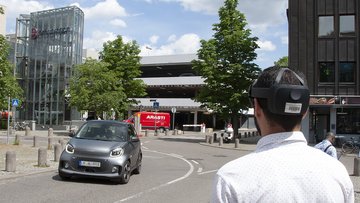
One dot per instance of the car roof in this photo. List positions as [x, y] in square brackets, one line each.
[108, 121]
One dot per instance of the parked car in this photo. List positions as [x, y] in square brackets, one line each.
[102, 149]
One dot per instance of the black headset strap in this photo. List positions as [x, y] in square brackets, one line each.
[281, 72]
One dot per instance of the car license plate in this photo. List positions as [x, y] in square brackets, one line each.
[89, 163]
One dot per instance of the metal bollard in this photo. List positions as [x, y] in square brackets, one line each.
[356, 166]
[10, 165]
[221, 141]
[42, 157]
[50, 132]
[237, 143]
[27, 131]
[36, 141]
[57, 152]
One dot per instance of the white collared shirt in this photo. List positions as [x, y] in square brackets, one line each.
[283, 168]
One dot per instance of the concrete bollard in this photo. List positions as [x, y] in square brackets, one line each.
[50, 132]
[174, 132]
[36, 141]
[27, 131]
[211, 139]
[221, 141]
[57, 152]
[42, 157]
[215, 137]
[50, 142]
[206, 138]
[63, 143]
[17, 140]
[356, 166]
[10, 163]
[166, 132]
[237, 143]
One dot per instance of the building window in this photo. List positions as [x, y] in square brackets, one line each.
[327, 72]
[347, 121]
[326, 26]
[347, 72]
[347, 25]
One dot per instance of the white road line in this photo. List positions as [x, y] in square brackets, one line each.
[195, 162]
[199, 170]
[205, 172]
[165, 184]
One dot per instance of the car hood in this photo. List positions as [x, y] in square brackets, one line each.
[94, 147]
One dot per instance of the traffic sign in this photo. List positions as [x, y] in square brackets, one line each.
[156, 105]
[15, 102]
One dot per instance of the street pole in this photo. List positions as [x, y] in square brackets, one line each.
[173, 120]
[8, 122]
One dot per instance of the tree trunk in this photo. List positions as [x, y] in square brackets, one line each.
[235, 124]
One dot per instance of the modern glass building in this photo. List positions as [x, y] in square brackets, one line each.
[49, 44]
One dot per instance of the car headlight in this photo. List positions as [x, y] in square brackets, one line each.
[117, 152]
[69, 149]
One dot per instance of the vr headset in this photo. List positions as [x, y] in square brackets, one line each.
[283, 99]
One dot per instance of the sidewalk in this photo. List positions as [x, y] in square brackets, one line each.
[26, 154]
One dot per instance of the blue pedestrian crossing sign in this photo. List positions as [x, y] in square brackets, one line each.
[156, 105]
[15, 102]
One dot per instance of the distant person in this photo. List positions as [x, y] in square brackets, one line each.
[283, 167]
[327, 145]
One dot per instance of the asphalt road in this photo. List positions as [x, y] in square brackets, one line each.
[174, 170]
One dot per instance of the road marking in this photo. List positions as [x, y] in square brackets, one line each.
[199, 170]
[165, 184]
[206, 172]
[195, 162]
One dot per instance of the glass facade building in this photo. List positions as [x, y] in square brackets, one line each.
[49, 44]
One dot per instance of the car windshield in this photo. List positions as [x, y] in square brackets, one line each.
[103, 131]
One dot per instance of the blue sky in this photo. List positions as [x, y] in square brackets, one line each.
[167, 26]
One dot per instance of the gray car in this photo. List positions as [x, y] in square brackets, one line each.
[102, 149]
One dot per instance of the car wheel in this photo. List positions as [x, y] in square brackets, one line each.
[137, 170]
[125, 177]
[63, 176]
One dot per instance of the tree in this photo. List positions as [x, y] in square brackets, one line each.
[1, 10]
[124, 65]
[94, 88]
[283, 61]
[226, 63]
[8, 83]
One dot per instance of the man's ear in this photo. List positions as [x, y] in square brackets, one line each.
[257, 107]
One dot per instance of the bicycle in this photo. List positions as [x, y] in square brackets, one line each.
[350, 146]
[21, 125]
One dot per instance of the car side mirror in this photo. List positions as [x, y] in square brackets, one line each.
[134, 139]
[71, 134]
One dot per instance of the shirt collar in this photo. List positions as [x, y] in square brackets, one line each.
[277, 139]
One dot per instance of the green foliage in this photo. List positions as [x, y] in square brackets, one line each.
[283, 61]
[8, 83]
[1, 10]
[226, 63]
[94, 88]
[124, 64]
[110, 83]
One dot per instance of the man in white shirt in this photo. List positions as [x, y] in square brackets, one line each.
[327, 145]
[283, 167]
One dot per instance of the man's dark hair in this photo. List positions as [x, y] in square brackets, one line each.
[267, 79]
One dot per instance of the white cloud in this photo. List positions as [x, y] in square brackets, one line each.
[172, 38]
[266, 45]
[107, 9]
[188, 43]
[16, 7]
[285, 39]
[118, 23]
[154, 39]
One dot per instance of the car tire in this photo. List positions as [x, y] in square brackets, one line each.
[137, 170]
[64, 177]
[125, 176]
